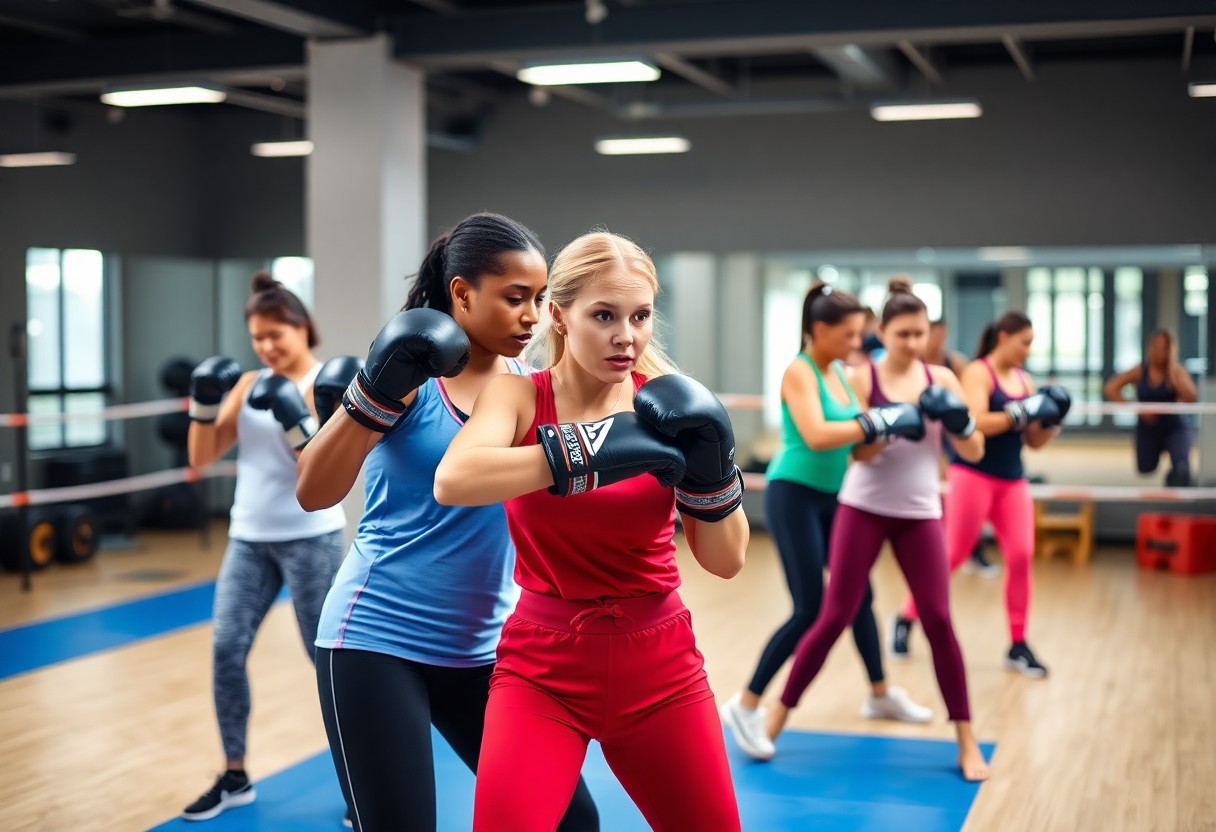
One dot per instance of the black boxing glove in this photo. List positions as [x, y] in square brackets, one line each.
[282, 398]
[413, 346]
[895, 419]
[1038, 407]
[333, 378]
[209, 382]
[941, 405]
[1062, 400]
[584, 456]
[684, 409]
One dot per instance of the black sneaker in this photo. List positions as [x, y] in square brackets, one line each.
[897, 644]
[232, 789]
[1022, 660]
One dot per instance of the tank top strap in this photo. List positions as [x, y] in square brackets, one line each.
[928, 372]
[991, 372]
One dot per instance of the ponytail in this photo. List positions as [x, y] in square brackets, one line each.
[827, 305]
[1010, 322]
[473, 248]
[429, 287]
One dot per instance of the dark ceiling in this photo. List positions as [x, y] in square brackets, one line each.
[716, 55]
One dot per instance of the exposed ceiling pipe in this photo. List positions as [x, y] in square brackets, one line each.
[694, 74]
[863, 68]
[284, 17]
[1018, 53]
[445, 7]
[921, 61]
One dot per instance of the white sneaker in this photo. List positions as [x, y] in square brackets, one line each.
[895, 705]
[747, 725]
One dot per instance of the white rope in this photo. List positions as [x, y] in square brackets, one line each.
[1074, 493]
[142, 482]
[748, 401]
[117, 412]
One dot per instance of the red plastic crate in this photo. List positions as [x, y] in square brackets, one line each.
[1183, 543]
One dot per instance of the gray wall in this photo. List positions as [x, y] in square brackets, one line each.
[1086, 154]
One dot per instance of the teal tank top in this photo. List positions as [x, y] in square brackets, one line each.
[795, 461]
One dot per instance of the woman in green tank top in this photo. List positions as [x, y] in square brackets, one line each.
[819, 427]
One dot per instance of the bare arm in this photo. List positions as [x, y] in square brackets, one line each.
[971, 448]
[977, 387]
[1112, 391]
[861, 388]
[721, 547]
[208, 441]
[800, 392]
[330, 462]
[1184, 386]
[480, 466]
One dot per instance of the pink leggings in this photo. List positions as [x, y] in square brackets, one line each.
[973, 498]
[624, 671]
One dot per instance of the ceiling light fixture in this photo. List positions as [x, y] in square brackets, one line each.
[925, 110]
[162, 95]
[601, 72]
[997, 254]
[36, 160]
[1201, 89]
[642, 145]
[298, 147]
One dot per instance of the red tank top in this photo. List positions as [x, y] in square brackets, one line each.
[614, 542]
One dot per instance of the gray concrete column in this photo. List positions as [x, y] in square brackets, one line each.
[366, 193]
[366, 186]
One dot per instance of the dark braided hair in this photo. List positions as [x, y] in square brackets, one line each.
[473, 248]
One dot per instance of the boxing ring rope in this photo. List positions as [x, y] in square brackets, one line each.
[126, 485]
[737, 401]
[114, 413]
[750, 401]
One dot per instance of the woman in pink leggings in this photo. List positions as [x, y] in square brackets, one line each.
[994, 489]
[891, 493]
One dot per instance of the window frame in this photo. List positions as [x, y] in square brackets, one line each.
[61, 392]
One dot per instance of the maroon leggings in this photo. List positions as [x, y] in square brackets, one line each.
[920, 549]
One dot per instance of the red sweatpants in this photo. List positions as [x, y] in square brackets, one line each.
[626, 672]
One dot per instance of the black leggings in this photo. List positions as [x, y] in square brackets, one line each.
[800, 521]
[378, 712]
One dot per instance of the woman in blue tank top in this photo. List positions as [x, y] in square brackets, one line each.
[409, 629]
[1161, 378]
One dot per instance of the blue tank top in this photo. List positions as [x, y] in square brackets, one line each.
[422, 582]
[1002, 453]
[1148, 392]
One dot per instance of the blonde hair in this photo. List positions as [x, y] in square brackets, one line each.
[576, 267]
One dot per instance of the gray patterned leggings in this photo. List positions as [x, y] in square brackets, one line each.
[250, 577]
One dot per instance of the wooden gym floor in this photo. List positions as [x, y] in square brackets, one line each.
[1120, 737]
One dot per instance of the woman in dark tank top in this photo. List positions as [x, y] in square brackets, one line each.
[1160, 378]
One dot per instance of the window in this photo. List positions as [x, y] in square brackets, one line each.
[1068, 307]
[296, 274]
[65, 314]
[1193, 332]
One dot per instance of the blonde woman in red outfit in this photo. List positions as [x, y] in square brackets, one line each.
[584, 455]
